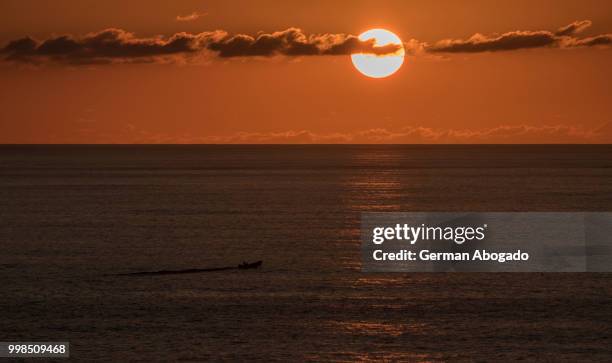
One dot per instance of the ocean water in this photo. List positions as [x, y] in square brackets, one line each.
[73, 217]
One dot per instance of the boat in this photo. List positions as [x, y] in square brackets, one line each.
[246, 265]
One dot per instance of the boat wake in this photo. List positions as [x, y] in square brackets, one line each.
[242, 266]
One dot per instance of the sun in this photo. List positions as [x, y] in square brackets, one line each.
[379, 66]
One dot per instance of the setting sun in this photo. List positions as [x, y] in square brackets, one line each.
[379, 66]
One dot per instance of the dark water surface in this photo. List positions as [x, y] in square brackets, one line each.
[71, 216]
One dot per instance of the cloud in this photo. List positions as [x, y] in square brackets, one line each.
[503, 134]
[522, 39]
[293, 42]
[119, 46]
[507, 41]
[106, 46]
[574, 28]
[598, 40]
[89, 130]
[286, 137]
[500, 134]
[191, 17]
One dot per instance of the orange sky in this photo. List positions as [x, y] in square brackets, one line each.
[557, 92]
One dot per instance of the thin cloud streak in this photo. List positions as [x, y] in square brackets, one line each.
[503, 134]
[574, 28]
[191, 17]
[427, 135]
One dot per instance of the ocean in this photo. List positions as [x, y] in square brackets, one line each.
[73, 218]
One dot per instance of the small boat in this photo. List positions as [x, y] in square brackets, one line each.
[246, 265]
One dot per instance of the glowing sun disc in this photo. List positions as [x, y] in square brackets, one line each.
[379, 66]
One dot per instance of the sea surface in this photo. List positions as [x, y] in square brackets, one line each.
[74, 217]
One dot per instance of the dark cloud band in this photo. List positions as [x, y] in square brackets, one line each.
[564, 37]
[117, 45]
[508, 41]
